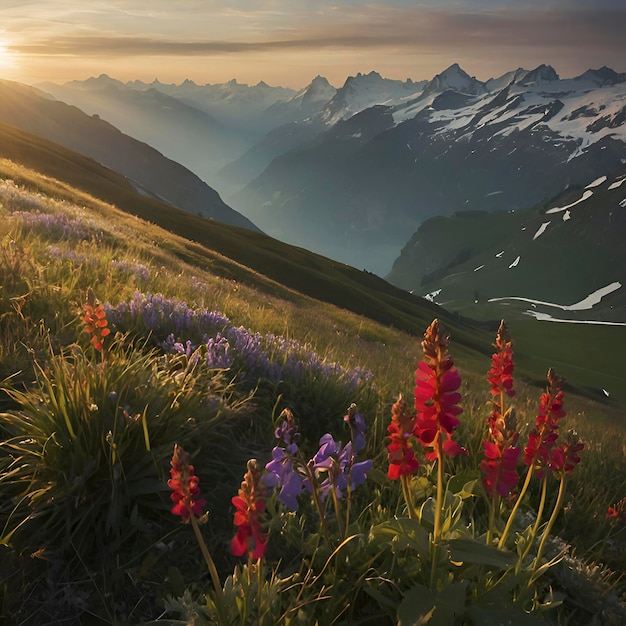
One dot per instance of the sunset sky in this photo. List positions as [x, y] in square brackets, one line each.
[289, 42]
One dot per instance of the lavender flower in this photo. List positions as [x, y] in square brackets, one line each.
[338, 464]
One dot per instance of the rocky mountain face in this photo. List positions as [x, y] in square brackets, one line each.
[562, 259]
[359, 189]
[147, 169]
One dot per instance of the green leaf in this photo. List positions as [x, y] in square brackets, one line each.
[417, 607]
[463, 484]
[405, 533]
[421, 606]
[509, 616]
[472, 551]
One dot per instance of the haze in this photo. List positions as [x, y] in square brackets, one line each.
[288, 42]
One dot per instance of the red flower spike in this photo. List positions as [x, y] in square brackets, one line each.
[184, 486]
[95, 320]
[500, 376]
[565, 458]
[402, 461]
[542, 439]
[249, 514]
[436, 396]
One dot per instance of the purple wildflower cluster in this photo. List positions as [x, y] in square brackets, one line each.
[332, 468]
[17, 198]
[59, 224]
[56, 253]
[137, 270]
[225, 346]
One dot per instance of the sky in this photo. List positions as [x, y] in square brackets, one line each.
[289, 42]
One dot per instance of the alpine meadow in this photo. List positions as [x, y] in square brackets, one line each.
[339, 355]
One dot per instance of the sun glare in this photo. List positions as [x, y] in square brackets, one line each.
[7, 58]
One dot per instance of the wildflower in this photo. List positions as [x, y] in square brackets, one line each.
[436, 396]
[402, 461]
[618, 512]
[500, 376]
[281, 473]
[184, 486]
[499, 466]
[95, 320]
[249, 515]
[542, 439]
[565, 457]
[338, 464]
[356, 422]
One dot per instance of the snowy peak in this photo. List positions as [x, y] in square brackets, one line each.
[541, 74]
[601, 77]
[456, 79]
[320, 90]
[497, 84]
[366, 90]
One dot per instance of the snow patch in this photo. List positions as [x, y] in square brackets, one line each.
[514, 264]
[587, 194]
[584, 305]
[542, 229]
[546, 317]
[432, 295]
[596, 182]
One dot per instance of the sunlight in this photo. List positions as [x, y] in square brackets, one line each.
[7, 58]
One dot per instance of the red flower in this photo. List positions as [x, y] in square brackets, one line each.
[436, 396]
[618, 512]
[542, 439]
[402, 461]
[184, 485]
[95, 320]
[500, 376]
[249, 515]
[499, 468]
[565, 458]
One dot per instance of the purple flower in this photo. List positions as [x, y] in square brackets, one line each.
[339, 466]
[282, 475]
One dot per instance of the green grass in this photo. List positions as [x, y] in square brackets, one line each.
[46, 361]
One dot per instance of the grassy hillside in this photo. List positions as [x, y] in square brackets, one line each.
[273, 266]
[87, 434]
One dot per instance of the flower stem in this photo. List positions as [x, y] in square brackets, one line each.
[542, 503]
[522, 493]
[405, 481]
[219, 592]
[438, 510]
[546, 532]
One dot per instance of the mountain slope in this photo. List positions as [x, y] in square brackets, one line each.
[279, 270]
[441, 152]
[559, 252]
[292, 267]
[181, 132]
[37, 113]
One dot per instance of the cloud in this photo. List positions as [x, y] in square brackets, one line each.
[369, 28]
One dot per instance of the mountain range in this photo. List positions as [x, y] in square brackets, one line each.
[360, 173]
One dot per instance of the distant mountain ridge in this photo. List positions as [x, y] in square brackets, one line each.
[352, 172]
[356, 189]
[149, 171]
[559, 252]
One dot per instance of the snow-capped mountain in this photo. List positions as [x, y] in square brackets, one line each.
[366, 90]
[359, 188]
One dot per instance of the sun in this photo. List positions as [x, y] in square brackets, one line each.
[7, 58]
